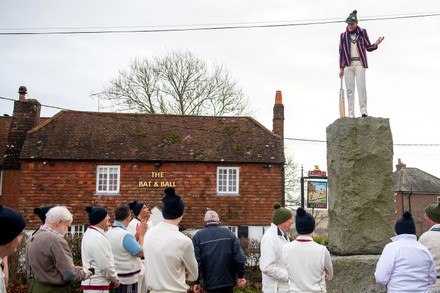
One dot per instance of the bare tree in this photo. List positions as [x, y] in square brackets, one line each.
[292, 183]
[178, 83]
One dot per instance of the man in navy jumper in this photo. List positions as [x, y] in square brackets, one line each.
[219, 256]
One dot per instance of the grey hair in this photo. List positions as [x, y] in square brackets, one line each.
[59, 213]
[211, 216]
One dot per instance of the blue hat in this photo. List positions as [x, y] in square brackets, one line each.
[41, 212]
[96, 214]
[136, 206]
[405, 225]
[304, 222]
[173, 205]
[12, 224]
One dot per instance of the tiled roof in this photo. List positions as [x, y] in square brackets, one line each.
[72, 135]
[415, 180]
[5, 124]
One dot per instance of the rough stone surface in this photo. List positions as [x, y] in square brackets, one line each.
[354, 274]
[360, 181]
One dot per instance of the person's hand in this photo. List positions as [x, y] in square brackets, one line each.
[89, 274]
[241, 282]
[115, 284]
[196, 288]
[142, 228]
[379, 40]
[341, 72]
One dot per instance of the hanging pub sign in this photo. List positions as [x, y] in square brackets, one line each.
[317, 172]
[317, 194]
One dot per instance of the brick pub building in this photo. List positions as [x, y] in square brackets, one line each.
[233, 165]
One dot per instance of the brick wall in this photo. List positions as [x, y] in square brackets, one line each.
[10, 188]
[74, 183]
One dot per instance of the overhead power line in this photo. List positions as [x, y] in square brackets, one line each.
[47, 106]
[395, 144]
[182, 28]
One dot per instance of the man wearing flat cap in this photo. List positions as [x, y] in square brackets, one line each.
[12, 224]
[169, 254]
[96, 253]
[353, 46]
[431, 239]
[274, 273]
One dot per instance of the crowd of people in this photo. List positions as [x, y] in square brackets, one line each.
[121, 256]
[130, 255]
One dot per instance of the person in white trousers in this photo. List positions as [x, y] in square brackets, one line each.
[353, 47]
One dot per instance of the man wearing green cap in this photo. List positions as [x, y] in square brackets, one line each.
[275, 277]
[431, 239]
[353, 46]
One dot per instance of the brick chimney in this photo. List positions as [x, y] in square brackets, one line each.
[400, 165]
[25, 117]
[278, 115]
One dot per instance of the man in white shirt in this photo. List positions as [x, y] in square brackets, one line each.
[308, 263]
[96, 253]
[405, 265]
[274, 273]
[169, 254]
[141, 213]
[431, 239]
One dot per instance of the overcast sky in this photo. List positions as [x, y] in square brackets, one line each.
[300, 60]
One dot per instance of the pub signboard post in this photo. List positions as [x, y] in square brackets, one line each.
[317, 196]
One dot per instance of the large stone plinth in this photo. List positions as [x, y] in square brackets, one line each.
[354, 274]
[360, 181]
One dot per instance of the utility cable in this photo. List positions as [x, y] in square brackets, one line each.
[208, 28]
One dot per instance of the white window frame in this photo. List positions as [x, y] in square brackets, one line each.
[105, 170]
[76, 230]
[234, 230]
[228, 187]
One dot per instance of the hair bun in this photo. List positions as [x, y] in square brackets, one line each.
[300, 211]
[88, 209]
[276, 205]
